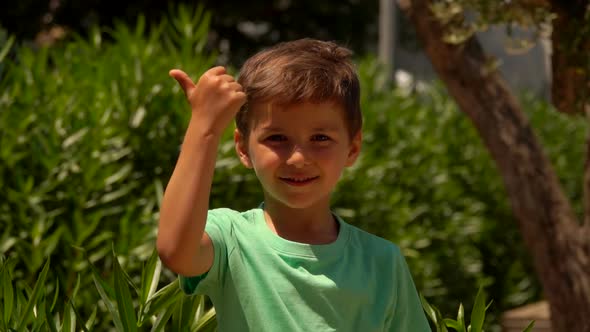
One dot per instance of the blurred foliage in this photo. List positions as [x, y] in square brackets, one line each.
[87, 140]
[481, 14]
[90, 130]
[238, 28]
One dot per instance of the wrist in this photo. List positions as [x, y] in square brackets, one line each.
[200, 128]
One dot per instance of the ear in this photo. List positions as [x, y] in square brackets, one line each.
[242, 148]
[354, 148]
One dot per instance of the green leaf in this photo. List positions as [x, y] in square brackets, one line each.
[453, 324]
[69, 323]
[529, 328]
[479, 311]
[99, 283]
[163, 299]
[6, 48]
[461, 318]
[76, 288]
[39, 286]
[428, 309]
[206, 323]
[91, 320]
[150, 276]
[123, 297]
[163, 318]
[49, 319]
[55, 295]
[78, 316]
[184, 315]
[7, 293]
[434, 315]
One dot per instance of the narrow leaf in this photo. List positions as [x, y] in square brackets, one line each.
[163, 318]
[50, 320]
[39, 285]
[91, 320]
[453, 324]
[78, 316]
[69, 323]
[101, 291]
[434, 315]
[206, 323]
[150, 276]
[478, 312]
[163, 299]
[428, 309]
[123, 297]
[6, 48]
[461, 318]
[7, 293]
[529, 328]
[55, 295]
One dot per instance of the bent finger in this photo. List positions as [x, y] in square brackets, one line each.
[219, 70]
[183, 79]
[235, 86]
[227, 78]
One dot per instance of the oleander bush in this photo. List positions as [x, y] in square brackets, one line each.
[134, 307]
[90, 130]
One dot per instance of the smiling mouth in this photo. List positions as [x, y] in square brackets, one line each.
[299, 181]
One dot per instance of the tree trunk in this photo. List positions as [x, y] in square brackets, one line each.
[557, 242]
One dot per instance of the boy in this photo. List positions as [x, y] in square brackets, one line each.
[290, 264]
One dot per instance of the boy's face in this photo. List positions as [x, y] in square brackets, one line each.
[298, 152]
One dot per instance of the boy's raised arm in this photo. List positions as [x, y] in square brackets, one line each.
[182, 244]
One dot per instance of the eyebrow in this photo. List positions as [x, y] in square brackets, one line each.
[320, 128]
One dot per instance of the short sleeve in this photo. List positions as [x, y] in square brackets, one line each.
[407, 313]
[219, 229]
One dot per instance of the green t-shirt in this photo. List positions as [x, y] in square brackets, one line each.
[262, 282]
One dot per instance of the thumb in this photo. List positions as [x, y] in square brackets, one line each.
[183, 79]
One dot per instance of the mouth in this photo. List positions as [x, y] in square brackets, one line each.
[298, 181]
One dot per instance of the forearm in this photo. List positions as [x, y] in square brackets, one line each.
[185, 203]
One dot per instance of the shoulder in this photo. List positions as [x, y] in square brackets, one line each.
[375, 245]
[225, 217]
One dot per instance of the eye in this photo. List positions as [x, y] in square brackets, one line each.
[320, 138]
[276, 138]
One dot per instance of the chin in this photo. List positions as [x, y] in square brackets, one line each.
[303, 202]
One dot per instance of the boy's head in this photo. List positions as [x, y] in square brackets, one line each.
[300, 71]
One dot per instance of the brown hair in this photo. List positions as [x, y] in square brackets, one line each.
[304, 70]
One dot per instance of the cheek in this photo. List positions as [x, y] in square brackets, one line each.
[327, 155]
[266, 158]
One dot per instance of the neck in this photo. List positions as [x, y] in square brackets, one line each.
[312, 225]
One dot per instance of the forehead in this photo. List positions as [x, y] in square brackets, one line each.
[267, 115]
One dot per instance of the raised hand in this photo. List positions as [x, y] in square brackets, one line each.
[214, 100]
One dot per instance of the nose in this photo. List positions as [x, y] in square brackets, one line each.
[298, 157]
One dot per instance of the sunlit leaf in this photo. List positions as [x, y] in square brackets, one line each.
[478, 311]
[124, 299]
[34, 295]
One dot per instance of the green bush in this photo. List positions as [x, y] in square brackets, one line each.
[90, 132]
[129, 309]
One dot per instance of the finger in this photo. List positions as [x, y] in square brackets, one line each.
[219, 70]
[227, 78]
[235, 86]
[241, 100]
[183, 79]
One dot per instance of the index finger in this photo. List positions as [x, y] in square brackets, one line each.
[218, 70]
